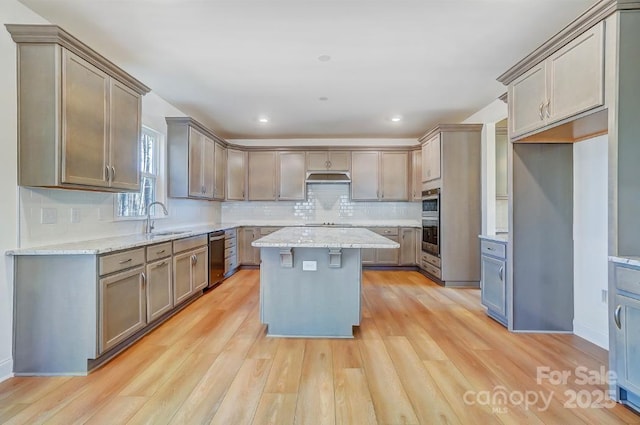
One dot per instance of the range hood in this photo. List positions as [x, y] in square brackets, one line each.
[328, 177]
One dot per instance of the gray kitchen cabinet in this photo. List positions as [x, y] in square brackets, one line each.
[122, 306]
[382, 176]
[196, 160]
[627, 338]
[328, 161]
[291, 176]
[493, 279]
[416, 175]
[379, 256]
[364, 176]
[159, 288]
[236, 174]
[249, 255]
[431, 157]
[190, 267]
[407, 254]
[262, 175]
[79, 115]
[230, 251]
[220, 172]
[569, 82]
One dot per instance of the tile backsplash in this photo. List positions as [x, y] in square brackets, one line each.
[325, 203]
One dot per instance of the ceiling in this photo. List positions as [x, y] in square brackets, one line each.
[316, 68]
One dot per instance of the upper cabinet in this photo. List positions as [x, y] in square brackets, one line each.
[196, 159]
[567, 83]
[380, 176]
[78, 114]
[328, 161]
[262, 175]
[236, 174]
[291, 176]
[431, 159]
[416, 175]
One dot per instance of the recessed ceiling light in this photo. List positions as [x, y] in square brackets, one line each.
[263, 120]
[397, 118]
[323, 98]
[324, 58]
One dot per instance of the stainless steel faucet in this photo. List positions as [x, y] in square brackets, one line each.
[149, 226]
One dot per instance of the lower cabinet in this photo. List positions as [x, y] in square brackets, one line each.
[159, 288]
[627, 322]
[249, 255]
[407, 254]
[189, 273]
[382, 257]
[230, 251]
[493, 280]
[122, 306]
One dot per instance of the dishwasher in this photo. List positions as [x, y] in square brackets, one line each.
[216, 257]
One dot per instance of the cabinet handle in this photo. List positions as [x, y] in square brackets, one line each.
[162, 251]
[126, 261]
[546, 106]
[616, 316]
[107, 176]
[164, 263]
[500, 273]
[540, 112]
[326, 164]
[144, 279]
[490, 249]
[113, 172]
[329, 164]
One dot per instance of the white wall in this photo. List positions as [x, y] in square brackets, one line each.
[10, 12]
[590, 240]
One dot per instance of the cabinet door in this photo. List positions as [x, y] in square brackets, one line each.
[407, 247]
[159, 289]
[527, 98]
[84, 122]
[200, 271]
[122, 307]
[291, 176]
[220, 171]
[262, 176]
[368, 256]
[388, 256]
[493, 284]
[576, 75]
[364, 176]
[435, 157]
[236, 173]
[182, 288]
[124, 137]
[627, 321]
[317, 161]
[424, 155]
[339, 161]
[394, 176]
[249, 255]
[196, 153]
[208, 164]
[416, 175]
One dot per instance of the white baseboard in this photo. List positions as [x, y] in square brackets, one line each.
[591, 335]
[6, 369]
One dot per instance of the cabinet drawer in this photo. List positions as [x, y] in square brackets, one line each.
[156, 252]
[230, 243]
[628, 279]
[230, 233]
[385, 231]
[121, 261]
[230, 264]
[432, 270]
[189, 243]
[230, 252]
[428, 258]
[494, 249]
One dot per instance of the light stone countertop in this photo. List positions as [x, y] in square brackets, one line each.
[631, 261]
[352, 223]
[324, 237]
[500, 238]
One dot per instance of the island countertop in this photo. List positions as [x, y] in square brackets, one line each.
[324, 237]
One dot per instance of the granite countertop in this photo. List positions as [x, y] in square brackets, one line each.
[500, 238]
[324, 237]
[631, 261]
[353, 223]
[117, 243]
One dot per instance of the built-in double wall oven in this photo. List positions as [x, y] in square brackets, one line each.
[431, 221]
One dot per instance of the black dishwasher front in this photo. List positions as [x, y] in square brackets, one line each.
[216, 257]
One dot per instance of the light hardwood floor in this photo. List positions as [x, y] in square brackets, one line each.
[423, 355]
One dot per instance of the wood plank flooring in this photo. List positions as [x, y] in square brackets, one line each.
[422, 355]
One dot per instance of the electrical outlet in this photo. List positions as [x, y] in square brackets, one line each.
[605, 295]
[49, 215]
[309, 266]
[75, 215]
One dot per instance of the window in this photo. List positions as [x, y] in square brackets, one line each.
[135, 204]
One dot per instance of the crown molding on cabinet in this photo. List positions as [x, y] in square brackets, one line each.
[589, 18]
[504, 97]
[450, 128]
[53, 34]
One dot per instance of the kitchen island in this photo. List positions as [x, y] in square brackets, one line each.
[310, 279]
